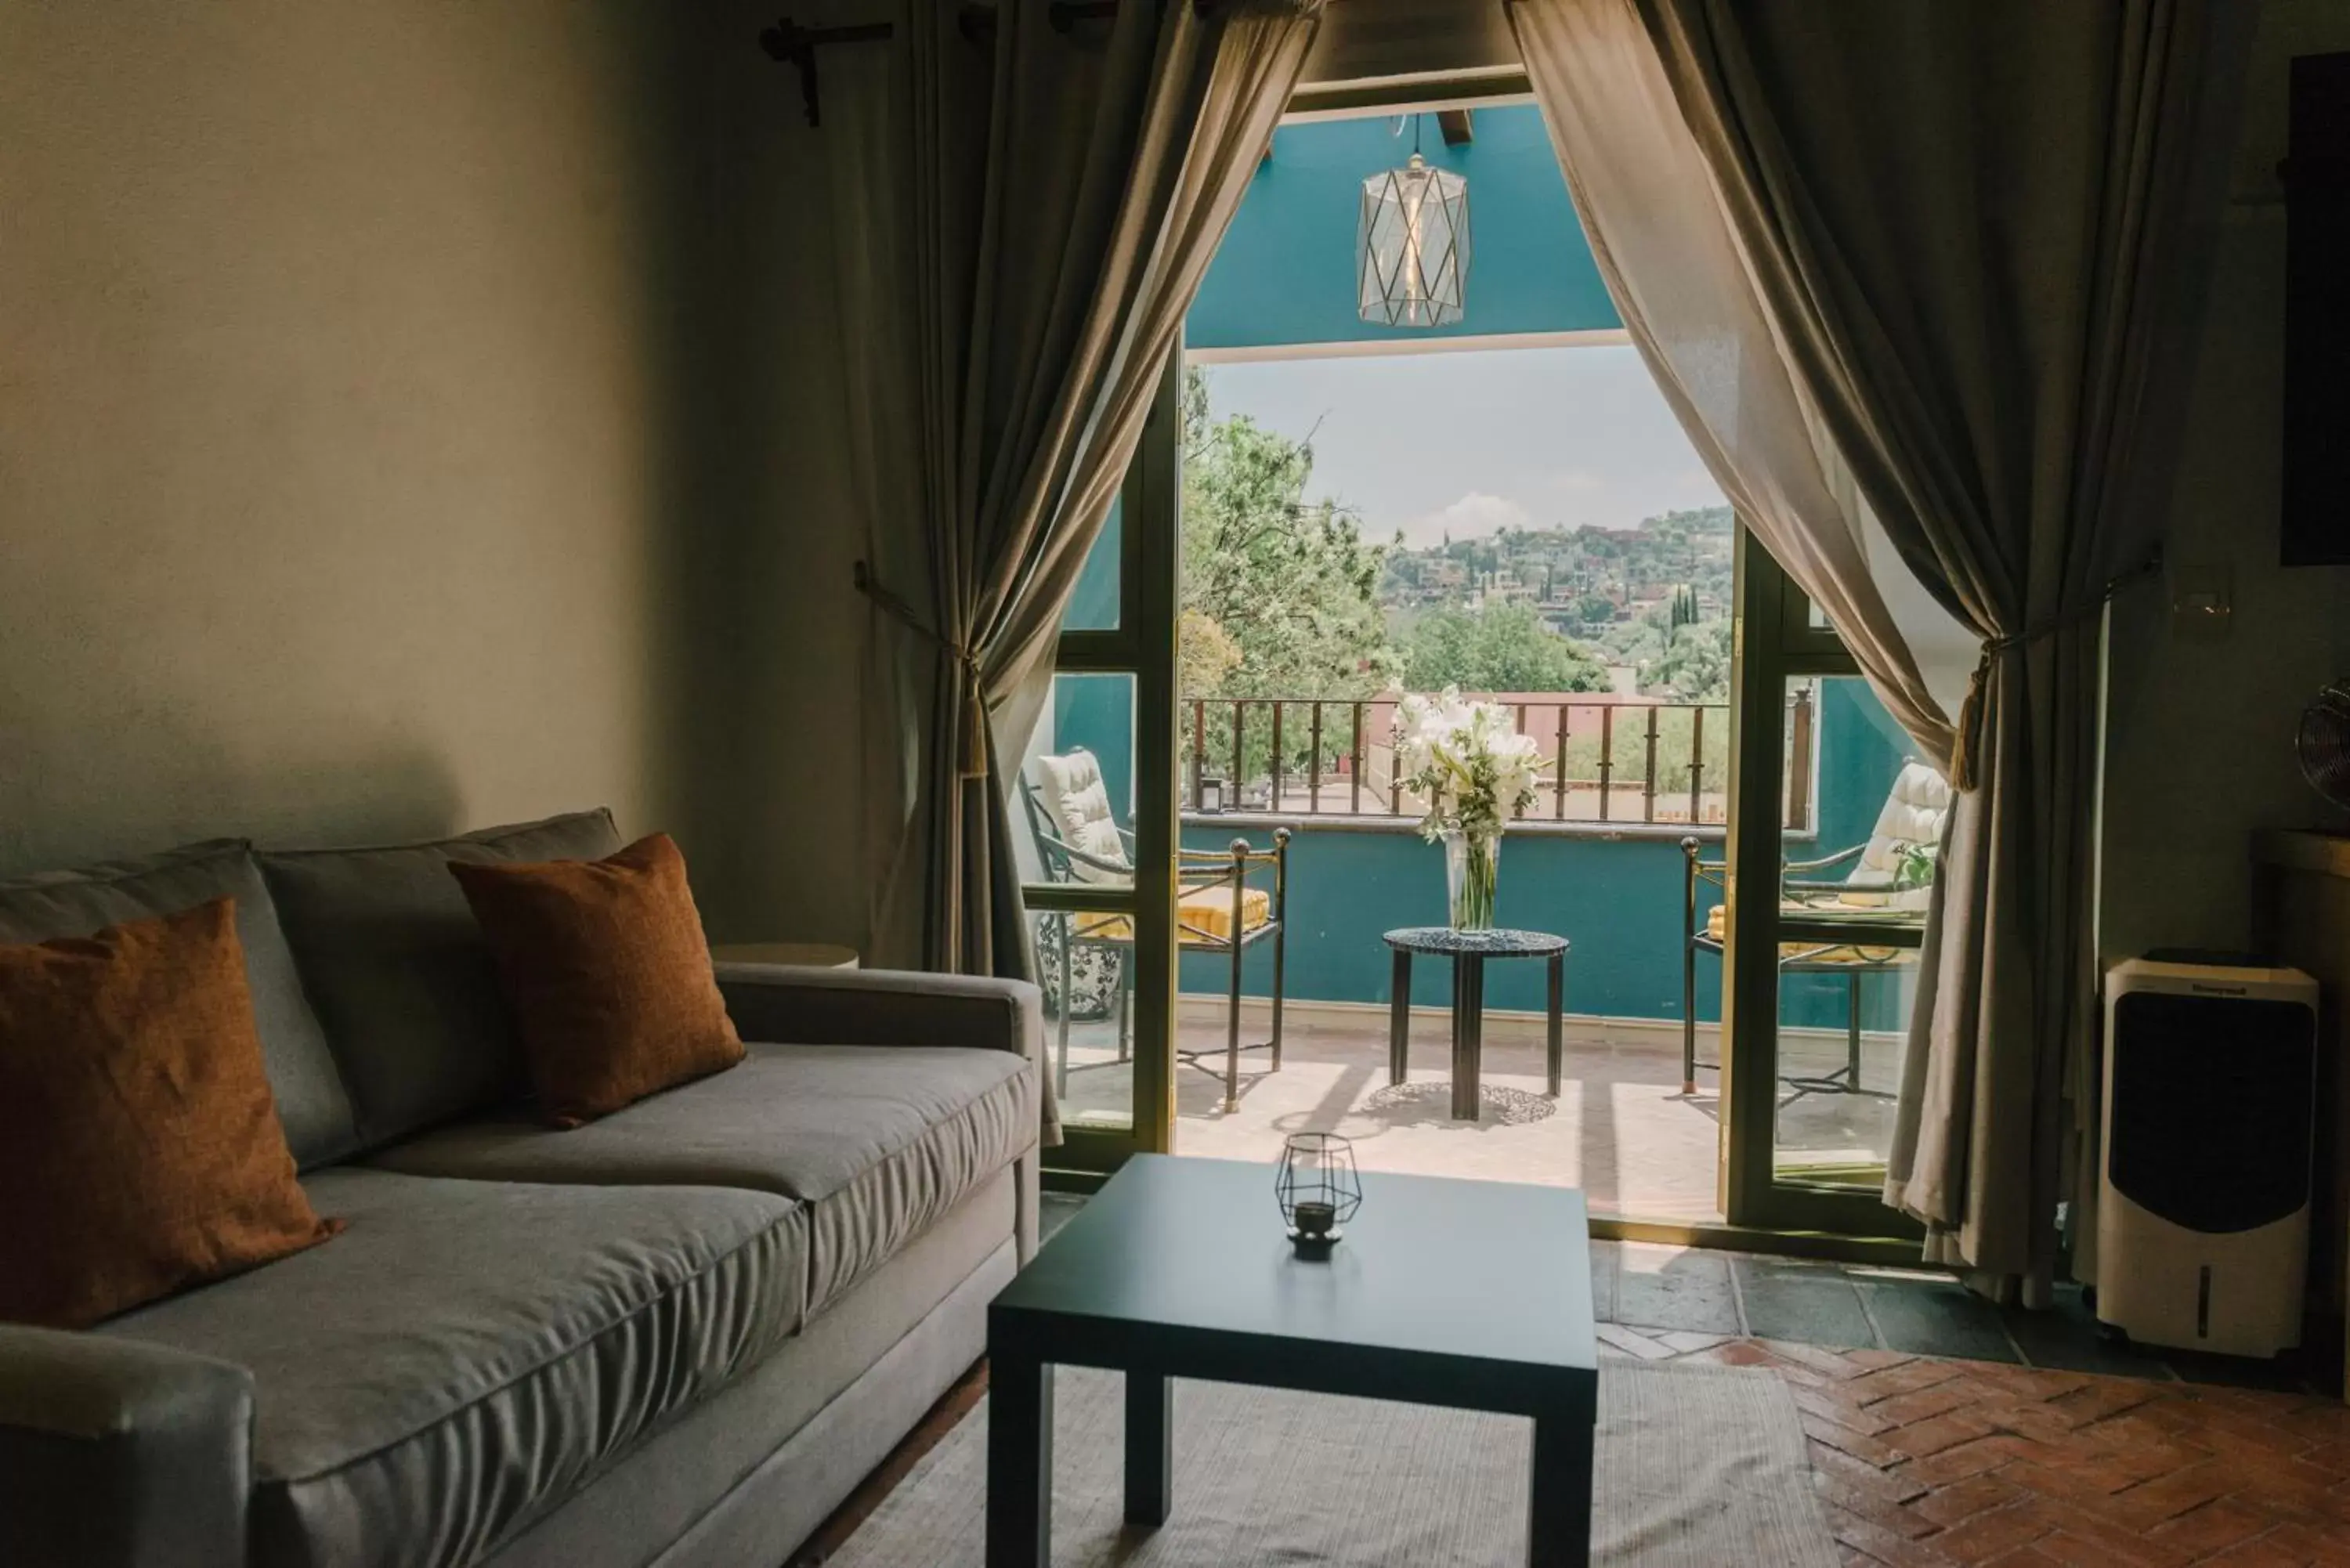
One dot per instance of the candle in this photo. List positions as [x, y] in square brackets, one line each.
[1316, 1218]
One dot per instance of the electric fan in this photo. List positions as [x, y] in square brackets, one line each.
[2322, 744]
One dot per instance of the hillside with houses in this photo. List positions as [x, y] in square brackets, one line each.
[1581, 579]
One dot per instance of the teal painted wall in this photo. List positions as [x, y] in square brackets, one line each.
[1093, 603]
[1286, 272]
[1096, 712]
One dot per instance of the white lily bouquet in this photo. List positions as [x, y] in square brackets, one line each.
[1476, 771]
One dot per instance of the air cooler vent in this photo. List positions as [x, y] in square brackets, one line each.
[2212, 1108]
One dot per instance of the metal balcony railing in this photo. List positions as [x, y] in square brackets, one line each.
[1623, 761]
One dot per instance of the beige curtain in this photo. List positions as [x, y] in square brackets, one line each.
[1060, 192]
[863, 163]
[1976, 229]
[1674, 270]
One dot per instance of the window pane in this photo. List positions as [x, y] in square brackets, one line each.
[1075, 818]
[1849, 975]
[1094, 607]
[1088, 983]
[1075, 804]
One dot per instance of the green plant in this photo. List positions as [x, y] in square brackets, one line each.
[1913, 864]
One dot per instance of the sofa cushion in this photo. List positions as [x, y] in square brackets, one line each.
[400, 973]
[468, 1353]
[878, 1141]
[312, 1105]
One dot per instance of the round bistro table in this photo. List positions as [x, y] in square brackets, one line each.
[1469, 951]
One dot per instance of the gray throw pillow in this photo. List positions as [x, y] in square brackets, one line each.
[398, 972]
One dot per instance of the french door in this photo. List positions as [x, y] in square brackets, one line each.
[1103, 919]
[1818, 970]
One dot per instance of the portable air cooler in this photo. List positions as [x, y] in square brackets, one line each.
[2203, 1226]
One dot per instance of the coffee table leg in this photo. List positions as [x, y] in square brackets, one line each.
[1150, 1448]
[1019, 1462]
[1467, 1032]
[1558, 1532]
[1399, 1019]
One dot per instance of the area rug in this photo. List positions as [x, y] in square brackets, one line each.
[1699, 1467]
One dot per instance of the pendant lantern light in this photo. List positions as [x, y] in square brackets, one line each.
[1411, 256]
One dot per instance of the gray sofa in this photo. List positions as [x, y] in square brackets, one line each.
[677, 1335]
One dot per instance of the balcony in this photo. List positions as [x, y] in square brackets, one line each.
[1598, 860]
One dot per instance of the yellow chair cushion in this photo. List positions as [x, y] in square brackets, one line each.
[1717, 922]
[1203, 915]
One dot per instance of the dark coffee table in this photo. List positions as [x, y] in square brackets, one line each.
[1474, 1294]
[1469, 951]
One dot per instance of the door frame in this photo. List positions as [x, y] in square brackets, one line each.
[1142, 646]
[1773, 640]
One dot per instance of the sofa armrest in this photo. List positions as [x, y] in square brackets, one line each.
[121, 1455]
[789, 1005]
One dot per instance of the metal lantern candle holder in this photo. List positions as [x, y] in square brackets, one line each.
[1318, 1189]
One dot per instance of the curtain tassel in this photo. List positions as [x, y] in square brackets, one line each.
[972, 761]
[1969, 742]
[1966, 755]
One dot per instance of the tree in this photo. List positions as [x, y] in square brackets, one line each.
[1499, 647]
[1695, 663]
[1290, 586]
[1280, 595]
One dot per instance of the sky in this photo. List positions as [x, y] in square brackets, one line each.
[1474, 440]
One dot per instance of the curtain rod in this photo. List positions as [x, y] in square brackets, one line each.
[787, 43]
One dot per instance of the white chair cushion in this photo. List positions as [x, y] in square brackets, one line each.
[1073, 791]
[1914, 813]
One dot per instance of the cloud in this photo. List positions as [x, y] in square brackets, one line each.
[1473, 516]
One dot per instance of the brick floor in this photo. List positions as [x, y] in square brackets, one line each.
[1933, 1461]
[1930, 1463]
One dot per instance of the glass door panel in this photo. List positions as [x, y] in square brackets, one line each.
[1077, 810]
[1094, 817]
[1098, 602]
[1827, 913]
[1852, 906]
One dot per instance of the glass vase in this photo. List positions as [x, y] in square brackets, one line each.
[1472, 869]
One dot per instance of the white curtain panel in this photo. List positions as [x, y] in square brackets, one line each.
[1974, 233]
[1022, 218]
[1675, 272]
[864, 162]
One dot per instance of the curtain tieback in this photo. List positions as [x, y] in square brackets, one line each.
[1966, 755]
[972, 763]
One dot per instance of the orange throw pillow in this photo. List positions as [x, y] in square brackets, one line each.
[608, 975]
[140, 1146]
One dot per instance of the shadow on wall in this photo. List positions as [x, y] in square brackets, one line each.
[350, 794]
[326, 474]
[759, 636]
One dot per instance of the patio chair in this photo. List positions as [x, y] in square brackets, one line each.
[1869, 897]
[1218, 907]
